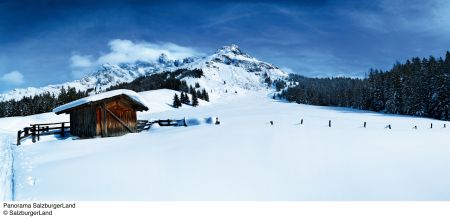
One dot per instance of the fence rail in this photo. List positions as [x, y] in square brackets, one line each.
[145, 124]
[38, 130]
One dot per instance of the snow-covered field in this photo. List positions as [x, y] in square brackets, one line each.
[243, 158]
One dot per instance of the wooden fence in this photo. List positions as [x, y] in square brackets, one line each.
[38, 130]
[145, 124]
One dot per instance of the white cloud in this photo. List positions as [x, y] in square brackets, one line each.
[81, 65]
[127, 51]
[14, 77]
[79, 61]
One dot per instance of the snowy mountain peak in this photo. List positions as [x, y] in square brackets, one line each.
[233, 48]
[227, 69]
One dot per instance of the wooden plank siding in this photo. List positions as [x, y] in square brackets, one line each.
[125, 113]
[92, 119]
[82, 122]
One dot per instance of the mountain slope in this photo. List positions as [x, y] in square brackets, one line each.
[227, 69]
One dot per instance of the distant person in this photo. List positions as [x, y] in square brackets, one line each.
[217, 121]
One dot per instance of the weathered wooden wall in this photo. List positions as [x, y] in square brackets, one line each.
[82, 122]
[114, 127]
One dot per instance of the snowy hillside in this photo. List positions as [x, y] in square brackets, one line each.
[243, 158]
[227, 69]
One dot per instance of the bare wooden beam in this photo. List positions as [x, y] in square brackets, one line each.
[119, 120]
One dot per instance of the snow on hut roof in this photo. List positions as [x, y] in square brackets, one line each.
[129, 93]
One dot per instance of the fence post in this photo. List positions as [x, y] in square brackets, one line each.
[33, 134]
[18, 137]
[365, 124]
[301, 122]
[329, 123]
[38, 133]
[62, 129]
[431, 125]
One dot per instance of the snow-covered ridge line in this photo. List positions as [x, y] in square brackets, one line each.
[229, 68]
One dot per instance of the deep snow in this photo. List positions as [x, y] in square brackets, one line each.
[243, 158]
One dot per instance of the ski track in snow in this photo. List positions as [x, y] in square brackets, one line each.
[6, 168]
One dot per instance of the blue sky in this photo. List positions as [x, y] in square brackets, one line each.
[48, 42]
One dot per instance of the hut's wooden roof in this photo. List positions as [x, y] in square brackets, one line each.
[132, 96]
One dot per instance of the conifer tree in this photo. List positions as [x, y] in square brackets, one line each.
[199, 94]
[194, 99]
[205, 95]
[176, 101]
[185, 98]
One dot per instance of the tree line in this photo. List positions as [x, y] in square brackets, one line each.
[419, 87]
[41, 103]
[30, 105]
[184, 98]
[170, 80]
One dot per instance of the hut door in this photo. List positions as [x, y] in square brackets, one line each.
[99, 121]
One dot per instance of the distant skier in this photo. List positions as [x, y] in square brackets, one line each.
[271, 122]
[415, 127]
[217, 121]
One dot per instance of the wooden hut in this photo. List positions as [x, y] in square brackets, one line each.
[107, 114]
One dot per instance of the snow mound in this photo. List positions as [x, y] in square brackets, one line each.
[199, 121]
